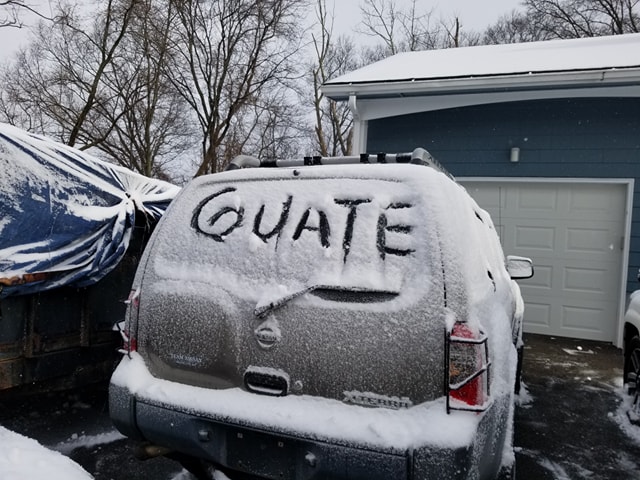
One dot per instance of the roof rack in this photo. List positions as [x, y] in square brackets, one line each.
[419, 156]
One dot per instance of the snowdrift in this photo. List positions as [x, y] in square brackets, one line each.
[67, 217]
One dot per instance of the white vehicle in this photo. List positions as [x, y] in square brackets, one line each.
[631, 349]
[325, 321]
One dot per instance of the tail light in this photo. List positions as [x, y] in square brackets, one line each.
[129, 344]
[467, 369]
[129, 341]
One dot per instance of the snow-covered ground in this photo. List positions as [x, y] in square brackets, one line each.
[23, 458]
[625, 413]
[566, 428]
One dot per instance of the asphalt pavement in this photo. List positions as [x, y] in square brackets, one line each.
[574, 426]
[570, 425]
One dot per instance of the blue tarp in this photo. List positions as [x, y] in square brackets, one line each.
[66, 218]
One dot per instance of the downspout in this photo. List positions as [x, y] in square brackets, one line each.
[359, 127]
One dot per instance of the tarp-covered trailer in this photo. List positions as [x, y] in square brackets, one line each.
[72, 229]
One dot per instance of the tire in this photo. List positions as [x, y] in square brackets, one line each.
[632, 367]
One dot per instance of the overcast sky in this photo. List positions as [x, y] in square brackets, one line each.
[473, 14]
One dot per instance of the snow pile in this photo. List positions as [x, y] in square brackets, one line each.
[524, 399]
[87, 441]
[626, 414]
[22, 458]
[67, 217]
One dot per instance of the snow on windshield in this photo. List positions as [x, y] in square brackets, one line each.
[269, 238]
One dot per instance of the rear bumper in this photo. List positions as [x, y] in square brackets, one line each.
[287, 454]
[260, 453]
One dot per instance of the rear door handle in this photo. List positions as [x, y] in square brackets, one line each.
[266, 381]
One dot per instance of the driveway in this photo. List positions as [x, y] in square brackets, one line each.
[571, 425]
[574, 426]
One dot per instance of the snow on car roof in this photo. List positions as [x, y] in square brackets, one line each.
[610, 52]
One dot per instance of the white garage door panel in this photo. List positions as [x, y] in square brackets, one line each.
[540, 283]
[593, 203]
[583, 319]
[573, 232]
[540, 317]
[538, 200]
[541, 239]
[587, 281]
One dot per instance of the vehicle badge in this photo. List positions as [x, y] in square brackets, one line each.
[268, 333]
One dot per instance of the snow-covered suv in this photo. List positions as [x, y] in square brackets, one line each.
[631, 354]
[324, 322]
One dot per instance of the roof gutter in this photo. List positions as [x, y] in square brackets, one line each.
[484, 84]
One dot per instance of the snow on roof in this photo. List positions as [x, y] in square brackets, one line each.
[574, 55]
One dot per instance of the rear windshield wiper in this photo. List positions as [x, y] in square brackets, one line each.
[333, 293]
[262, 310]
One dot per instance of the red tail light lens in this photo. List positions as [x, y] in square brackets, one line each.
[467, 369]
[129, 342]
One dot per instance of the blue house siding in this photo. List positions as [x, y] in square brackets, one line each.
[577, 138]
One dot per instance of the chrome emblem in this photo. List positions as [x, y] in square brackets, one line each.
[268, 333]
[368, 399]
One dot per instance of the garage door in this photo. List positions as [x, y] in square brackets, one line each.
[574, 234]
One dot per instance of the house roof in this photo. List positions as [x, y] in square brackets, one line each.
[574, 63]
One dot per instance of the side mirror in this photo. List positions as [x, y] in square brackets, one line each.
[519, 267]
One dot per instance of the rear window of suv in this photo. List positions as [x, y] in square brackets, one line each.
[264, 239]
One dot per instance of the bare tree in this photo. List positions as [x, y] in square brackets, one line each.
[104, 46]
[333, 121]
[55, 84]
[514, 27]
[10, 13]
[271, 127]
[584, 18]
[229, 54]
[11, 10]
[101, 84]
[150, 127]
[379, 18]
[406, 28]
[400, 29]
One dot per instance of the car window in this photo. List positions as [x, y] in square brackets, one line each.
[267, 239]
